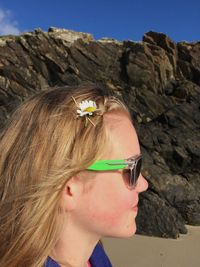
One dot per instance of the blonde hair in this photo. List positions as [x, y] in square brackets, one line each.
[42, 145]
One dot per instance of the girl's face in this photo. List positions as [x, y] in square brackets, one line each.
[109, 208]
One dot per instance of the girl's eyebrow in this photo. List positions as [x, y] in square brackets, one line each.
[135, 156]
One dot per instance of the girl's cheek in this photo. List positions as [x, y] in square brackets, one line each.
[129, 199]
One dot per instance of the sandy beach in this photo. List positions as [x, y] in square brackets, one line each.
[144, 251]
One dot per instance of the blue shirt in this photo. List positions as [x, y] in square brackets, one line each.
[97, 259]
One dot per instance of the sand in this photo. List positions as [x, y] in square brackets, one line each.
[143, 251]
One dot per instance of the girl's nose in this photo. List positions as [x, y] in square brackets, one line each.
[142, 184]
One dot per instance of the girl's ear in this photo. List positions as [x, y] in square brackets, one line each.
[71, 193]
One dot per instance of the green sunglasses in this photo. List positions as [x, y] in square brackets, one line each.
[131, 168]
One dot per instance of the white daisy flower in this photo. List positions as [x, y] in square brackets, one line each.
[86, 107]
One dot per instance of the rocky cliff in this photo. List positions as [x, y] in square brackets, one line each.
[160, 81]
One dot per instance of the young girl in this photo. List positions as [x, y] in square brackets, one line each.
[70, 166]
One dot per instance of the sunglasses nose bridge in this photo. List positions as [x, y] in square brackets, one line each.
[132, 167]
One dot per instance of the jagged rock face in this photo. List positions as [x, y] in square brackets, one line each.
[159, 80]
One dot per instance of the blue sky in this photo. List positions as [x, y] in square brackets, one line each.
[121, 20]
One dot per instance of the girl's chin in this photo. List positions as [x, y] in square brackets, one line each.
[129, 232]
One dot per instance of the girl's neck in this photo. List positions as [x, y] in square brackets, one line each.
[74, 248]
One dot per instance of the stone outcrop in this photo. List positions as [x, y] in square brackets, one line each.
[160, 81]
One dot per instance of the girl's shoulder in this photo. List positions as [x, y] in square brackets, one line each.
[51, 263]
[97, 259]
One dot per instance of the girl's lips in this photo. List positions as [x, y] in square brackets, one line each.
[135, 208]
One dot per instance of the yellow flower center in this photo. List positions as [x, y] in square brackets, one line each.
[90, 109]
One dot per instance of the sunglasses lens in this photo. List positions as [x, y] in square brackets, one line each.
[127, 177]
[137, 171]
[131, 176]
